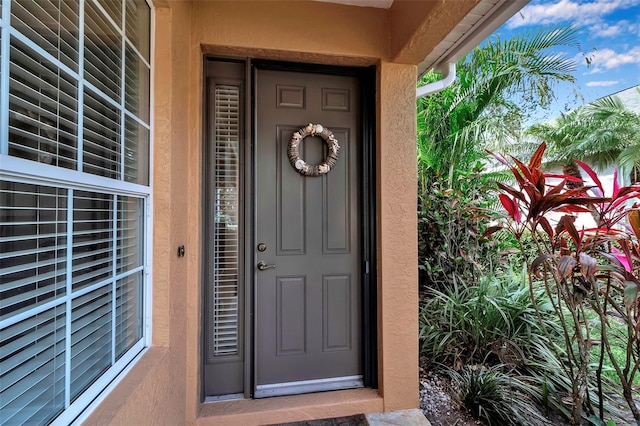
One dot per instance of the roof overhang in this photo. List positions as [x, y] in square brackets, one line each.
[481, 20]
[383, 4]
[484, 19]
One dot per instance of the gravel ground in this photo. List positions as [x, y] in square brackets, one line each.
[438, 405]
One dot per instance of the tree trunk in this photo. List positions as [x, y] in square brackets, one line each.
[635, 175]
[572, 169]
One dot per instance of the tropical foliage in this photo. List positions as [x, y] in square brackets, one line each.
[591, 271]
[523, 311]
[450, 223]
[500, 83]
[604, 133]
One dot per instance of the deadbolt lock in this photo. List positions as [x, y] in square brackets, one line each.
[262, 247]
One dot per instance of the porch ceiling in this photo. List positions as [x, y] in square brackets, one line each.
[479, 23]
[384, 4]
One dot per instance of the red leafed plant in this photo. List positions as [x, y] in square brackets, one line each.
[595, 269]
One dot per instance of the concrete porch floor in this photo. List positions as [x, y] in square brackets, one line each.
[412, 417]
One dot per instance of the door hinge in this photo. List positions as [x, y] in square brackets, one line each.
[366, 267]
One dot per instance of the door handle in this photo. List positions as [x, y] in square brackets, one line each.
[263, 266]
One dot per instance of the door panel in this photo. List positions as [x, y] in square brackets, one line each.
[308, 317]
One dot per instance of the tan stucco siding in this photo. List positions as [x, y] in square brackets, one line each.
[308, 27]
[162, 181]
[397, 241]
[146, 396]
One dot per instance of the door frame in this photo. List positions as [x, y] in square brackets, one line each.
[366, 180]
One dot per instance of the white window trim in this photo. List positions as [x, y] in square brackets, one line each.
[45, 174]
[4, 80]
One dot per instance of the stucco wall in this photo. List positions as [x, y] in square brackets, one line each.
[164, 388]
[397, 236]
[287, 29]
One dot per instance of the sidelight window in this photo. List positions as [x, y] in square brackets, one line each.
[224, 290]
[225, 244]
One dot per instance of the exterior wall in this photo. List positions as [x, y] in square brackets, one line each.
[292, 29]
[397, 237]
[164, 386]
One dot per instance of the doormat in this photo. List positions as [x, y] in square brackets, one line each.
[357, 420]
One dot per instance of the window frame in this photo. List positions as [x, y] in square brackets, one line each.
[21, 170]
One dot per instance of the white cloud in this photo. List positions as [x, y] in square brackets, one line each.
[575, 11]
[602, 83]
[606, 30]
[607, 59]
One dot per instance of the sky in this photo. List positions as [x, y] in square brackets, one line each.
[609, 32]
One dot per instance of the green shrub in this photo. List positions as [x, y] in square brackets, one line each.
[497, 396]
[450, 227]
[468, 324]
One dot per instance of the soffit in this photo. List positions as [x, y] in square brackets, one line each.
[383, 4]
[483, 20]
[476, 26]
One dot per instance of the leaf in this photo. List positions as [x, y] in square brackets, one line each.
[491, 230]
[566, 265]
[523, 168]
[591, 173]
[574, 209]
[595, 420]
[536, 159]
[538, 179]
[616, 185]
[588, 265]
[625, 244]
[556, 189]
[630, 292]
[514, 192]
[634, 220]
[546, 226]
[500, 158]
[539, 261]
[615, 263]
[624, 258]
[566, 224]
[511, 206]
[565, 177]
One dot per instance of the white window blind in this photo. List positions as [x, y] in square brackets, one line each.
[225, 256]
[52, 25]
[101, 137]
[74, 95]
[33, 366]
[102, 294]
[42, 109]
[32, 246]
[102, 50]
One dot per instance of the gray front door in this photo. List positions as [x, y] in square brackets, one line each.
[308, 316]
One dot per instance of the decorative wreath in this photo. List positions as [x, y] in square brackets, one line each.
[293, 150]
